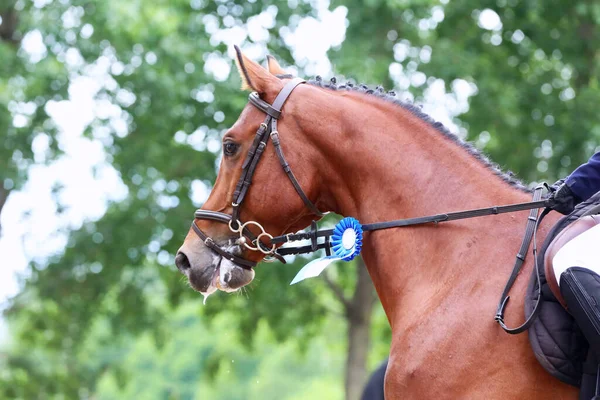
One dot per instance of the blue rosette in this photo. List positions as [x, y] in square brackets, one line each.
[346, 243]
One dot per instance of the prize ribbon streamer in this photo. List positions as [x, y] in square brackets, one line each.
[346, 243]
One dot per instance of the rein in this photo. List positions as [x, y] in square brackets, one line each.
[268, 130]
[313, 234]
[530, 232]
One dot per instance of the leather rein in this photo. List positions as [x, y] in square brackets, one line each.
[268, 130]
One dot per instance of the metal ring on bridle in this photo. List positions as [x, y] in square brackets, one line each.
[272, 250]
[241, 232]
[238, 230]
[249, 247]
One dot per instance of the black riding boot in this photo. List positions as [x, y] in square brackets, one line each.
[590, 387]
[580, 288]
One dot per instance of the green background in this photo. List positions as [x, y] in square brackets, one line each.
[110, 317]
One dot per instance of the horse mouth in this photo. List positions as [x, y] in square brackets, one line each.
[221, 281]
[208, 272]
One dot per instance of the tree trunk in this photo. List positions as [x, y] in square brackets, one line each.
[3, 196]
[8, 29]
[358, 312]
[9, 24]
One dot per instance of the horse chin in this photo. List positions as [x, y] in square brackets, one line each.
[230, 277]
[212, 272]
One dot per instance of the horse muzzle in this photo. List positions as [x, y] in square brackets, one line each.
[207, 271]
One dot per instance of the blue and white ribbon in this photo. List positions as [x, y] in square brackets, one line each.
[346, 243]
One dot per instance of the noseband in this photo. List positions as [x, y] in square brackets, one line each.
[266, 130]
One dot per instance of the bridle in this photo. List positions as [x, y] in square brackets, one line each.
[266, 130]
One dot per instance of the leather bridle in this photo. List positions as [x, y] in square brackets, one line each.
[266, 130]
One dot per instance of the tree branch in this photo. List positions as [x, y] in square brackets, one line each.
[334, 312]
[359, 321]
[364, 296]
[3, 196]
[337, 291]
[8, 28]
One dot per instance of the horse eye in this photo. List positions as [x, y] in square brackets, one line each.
[230, 148]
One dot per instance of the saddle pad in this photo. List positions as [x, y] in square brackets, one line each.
[557, 341]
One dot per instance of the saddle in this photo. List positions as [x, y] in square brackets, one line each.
[563, 237]
[555, 338]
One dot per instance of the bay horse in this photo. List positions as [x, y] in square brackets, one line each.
[361, 153]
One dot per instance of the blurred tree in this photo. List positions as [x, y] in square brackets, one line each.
[218, 365]
[25, 87]
[534, 65]
[164, 70]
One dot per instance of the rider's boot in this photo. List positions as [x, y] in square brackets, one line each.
[580, 287]
[589, 387]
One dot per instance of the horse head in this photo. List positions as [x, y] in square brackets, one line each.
[253, 199]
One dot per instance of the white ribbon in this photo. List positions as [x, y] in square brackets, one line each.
[314, 268]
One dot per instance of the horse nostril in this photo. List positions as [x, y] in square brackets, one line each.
[182, 262]
[227, 277]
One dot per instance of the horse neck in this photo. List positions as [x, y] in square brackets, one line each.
[384, 163]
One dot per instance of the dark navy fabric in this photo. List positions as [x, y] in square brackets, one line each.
[585, 180]
[374, 388]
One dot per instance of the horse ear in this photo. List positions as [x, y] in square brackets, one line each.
[255, 77]
[274, 67]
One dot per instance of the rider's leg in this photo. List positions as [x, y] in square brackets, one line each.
[577, 269]
[589, 378]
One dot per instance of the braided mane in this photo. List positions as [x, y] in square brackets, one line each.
[390, 96]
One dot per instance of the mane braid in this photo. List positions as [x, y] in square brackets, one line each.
[390, 96]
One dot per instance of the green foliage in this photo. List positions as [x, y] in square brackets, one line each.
[111, 317]
[536, 75]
